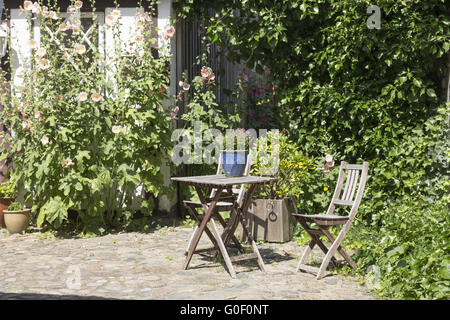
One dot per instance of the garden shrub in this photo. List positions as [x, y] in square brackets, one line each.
[88, 127]
[362, 94]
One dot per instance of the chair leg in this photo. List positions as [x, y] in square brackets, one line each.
[222, 249]
[340, 249]
[192, 237]
[225, 235]
[207, 231]
[306, 254]
[332, 250]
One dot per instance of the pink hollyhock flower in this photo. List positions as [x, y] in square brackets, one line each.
[204, 72]
[28, 5]
[45, 140]
[170, 31]
[82, 96]
[67, 162]
[96, 97]
[116, 129]
[173, 116]
[264, 119]
[79, 48]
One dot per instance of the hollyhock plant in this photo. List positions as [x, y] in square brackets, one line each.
[85, 122]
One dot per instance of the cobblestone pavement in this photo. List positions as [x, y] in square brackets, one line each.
[148, 265]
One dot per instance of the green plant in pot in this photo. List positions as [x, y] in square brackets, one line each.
[7, 195]
[17, 217]
[270, 211]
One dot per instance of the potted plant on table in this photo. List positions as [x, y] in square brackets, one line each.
[7, 195]
[269, 215]
[17, 217]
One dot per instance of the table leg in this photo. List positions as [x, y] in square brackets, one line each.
[208, 209]
[222, 248]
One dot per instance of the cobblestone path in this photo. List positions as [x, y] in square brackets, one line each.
[137, 265]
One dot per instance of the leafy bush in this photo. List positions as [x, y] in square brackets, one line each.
[88, 126]
[7, 190]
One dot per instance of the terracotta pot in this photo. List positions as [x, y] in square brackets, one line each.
[4, 204]
[17, 221]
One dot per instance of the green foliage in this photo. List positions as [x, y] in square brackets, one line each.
[7, 190]
[362, 94]
[277, 156]
[408, 257]
[87, 125]
[15, 206]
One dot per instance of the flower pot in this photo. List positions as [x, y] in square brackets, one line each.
[233, 162]
[270, 220]
[17, 221]
[4, 204]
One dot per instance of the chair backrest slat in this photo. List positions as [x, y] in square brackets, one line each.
[347, 184]
[353, 185]
[343, 202]
[248, 166]
[355, 182]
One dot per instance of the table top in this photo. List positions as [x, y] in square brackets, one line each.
[222, 180]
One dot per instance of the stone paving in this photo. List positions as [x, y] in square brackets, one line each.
[135, 265]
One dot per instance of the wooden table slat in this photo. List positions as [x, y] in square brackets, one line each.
[222, 180]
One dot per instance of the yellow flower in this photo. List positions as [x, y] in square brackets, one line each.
[325, 188]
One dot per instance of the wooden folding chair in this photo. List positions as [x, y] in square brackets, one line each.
[192, 206]
[355, 174]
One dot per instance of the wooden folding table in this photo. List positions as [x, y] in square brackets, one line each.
[222, 184]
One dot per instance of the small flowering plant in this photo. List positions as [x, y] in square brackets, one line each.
[87, 126]
[292, 166]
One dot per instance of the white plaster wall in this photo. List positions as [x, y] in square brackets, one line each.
[164, 20]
